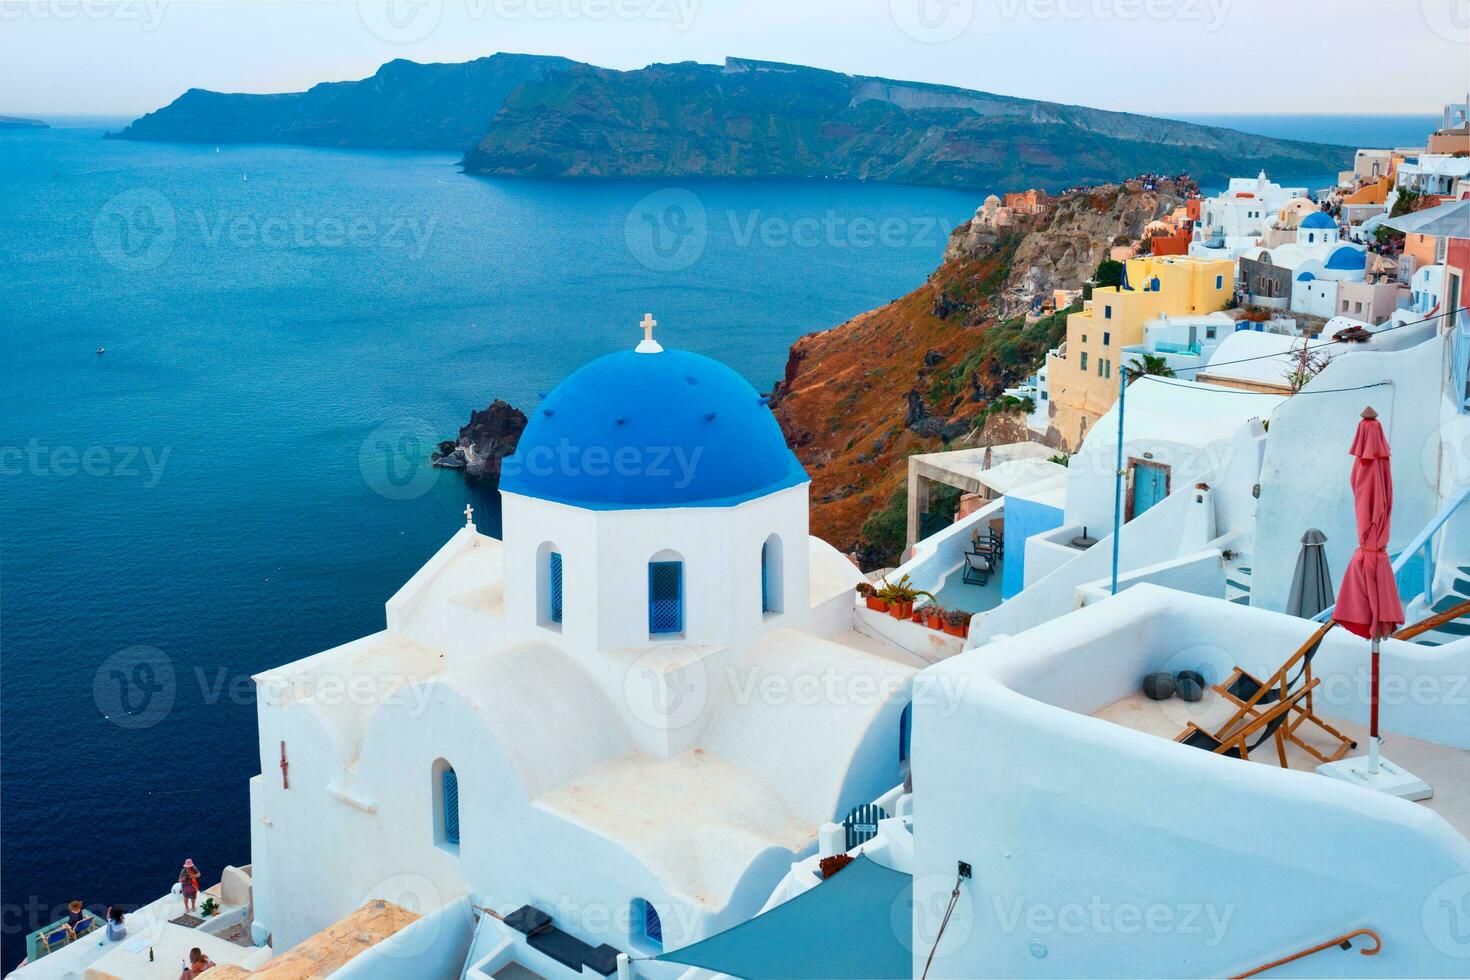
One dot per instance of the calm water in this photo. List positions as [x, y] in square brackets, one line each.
[236, 484]
[237, 481]
[1381, 131]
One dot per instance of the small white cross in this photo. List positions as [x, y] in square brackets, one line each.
[648, 345]
[469, 516]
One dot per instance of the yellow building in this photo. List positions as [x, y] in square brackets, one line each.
[1083, 375]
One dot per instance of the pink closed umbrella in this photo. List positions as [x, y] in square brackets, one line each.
[1368, 602]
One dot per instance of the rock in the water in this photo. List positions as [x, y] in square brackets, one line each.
[490, 435]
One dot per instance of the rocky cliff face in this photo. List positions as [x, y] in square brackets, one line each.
[488, 437]
[758, 119]
[924, 372]
[405, 105]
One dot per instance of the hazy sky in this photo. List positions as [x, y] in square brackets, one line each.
[1151, 56]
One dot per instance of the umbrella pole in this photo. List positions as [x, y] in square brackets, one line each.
[1373, 713]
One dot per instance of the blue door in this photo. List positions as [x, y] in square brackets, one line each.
[1150, 485]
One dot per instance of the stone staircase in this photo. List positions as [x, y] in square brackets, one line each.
[1455, 629]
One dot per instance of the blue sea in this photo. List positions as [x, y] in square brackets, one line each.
[239, 478]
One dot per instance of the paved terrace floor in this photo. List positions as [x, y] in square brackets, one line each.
[1442, 767]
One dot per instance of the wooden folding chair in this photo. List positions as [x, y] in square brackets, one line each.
[1269, 723]
[1252, 696]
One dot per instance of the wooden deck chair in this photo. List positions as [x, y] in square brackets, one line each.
[52, 939]
[978, 567]
[1252, 732]
[1251, 696]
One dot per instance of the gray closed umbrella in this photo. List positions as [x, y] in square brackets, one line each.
[1311, 586]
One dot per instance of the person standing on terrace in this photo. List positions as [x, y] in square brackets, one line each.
[189, 884]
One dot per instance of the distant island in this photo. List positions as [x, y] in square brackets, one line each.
[16, 122]
[535, 116]
[404, 105]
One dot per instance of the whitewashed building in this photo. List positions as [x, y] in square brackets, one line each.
[1237, 217]
[620, 715]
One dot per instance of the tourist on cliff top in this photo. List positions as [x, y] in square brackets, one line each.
[189, 884]
[116, 928]
[197, 964]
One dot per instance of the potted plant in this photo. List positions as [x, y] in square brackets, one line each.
[934, 615]
[957, 622]
[871, 597]
[210, 907]
[901, 596]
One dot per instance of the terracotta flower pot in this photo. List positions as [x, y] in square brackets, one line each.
[901, 610]
[934, 622]
[955, 630]
[877, 604]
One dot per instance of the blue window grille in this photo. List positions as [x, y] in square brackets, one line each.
[653, 929]
[1107, 312]
[1107, 338]
[555, 595]
[1084, 360]
[766, 578]
[450, 789]
[1219, 282]
[665, 596]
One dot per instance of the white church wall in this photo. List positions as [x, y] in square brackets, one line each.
[608, 552]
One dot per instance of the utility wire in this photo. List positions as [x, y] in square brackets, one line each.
[1312, 347]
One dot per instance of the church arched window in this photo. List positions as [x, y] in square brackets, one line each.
[666, 593]
[647, 927]
[445, 791]
[771, 579]
[549, 591]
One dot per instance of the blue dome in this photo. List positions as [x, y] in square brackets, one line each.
[1347, 259]
[667, 429]
[1318, 219]
[1305, 277]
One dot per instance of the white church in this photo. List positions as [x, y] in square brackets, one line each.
[634, 712]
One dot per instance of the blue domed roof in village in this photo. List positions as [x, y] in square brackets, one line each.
[1347, 259]
[1318, 219]
[643, 430]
